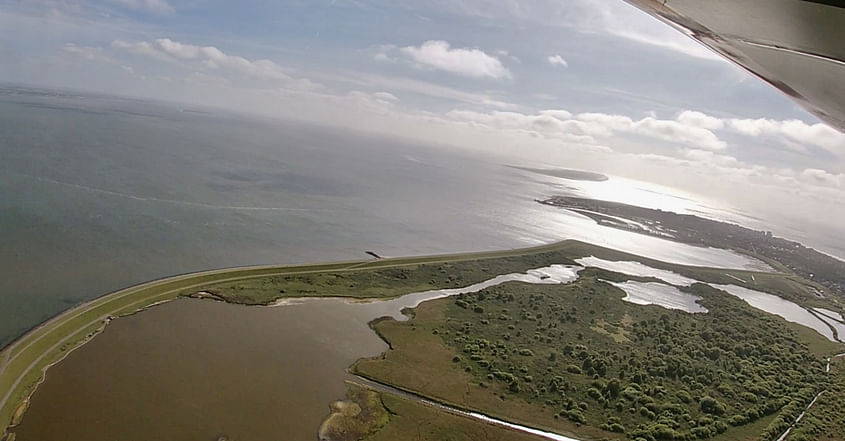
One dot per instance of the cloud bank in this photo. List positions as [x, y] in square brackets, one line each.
[557, 60]
[210, 57]
[439, 55]
[161, 7]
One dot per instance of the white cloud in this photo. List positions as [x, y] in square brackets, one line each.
[178, 50]
[698, 119]
[140, 47]
[819, 134]
[625, 21]
[586, 127]
[674, 131]
[557, 113]
[383, 53]
[413, 86]
[754, 127]
[377, 103]
[154, 6]
[823, 178]
[609, 17]
[212, 58]
[697, 131]
[381, 56]
[385, 97]
[438, 55]
[557, 60]
[607, 123]
[544, 124]
[86, 52]
[707, 156]
[666, 130]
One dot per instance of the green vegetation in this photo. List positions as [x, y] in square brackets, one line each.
[789, 286]
[825, 421]
[577, 359]
[521, 386]
[22, 363]
[358, 416]
[380, 282]
[411, 420]
[394, 277]
[369, 415]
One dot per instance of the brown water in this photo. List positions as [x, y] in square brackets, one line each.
[197, 370]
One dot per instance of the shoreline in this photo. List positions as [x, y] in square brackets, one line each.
[22, 359]
[773, 265]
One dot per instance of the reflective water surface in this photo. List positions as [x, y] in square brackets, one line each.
[778, 306]
[636, 269]
[653, 293]
[833, 314]
[670, 297]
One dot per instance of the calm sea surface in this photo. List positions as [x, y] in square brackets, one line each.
[97, 193]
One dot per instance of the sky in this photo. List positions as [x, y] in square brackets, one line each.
[587, 84]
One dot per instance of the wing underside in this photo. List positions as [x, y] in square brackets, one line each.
[797, 46]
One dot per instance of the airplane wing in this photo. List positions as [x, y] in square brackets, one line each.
[797, 46]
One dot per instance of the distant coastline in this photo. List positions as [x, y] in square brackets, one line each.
[565, 173]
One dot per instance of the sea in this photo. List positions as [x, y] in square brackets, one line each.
[98, 193]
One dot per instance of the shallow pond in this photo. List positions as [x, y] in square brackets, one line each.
[653, 293]
[670, 297]
[636, 269]
[830, 314]
[778, 306]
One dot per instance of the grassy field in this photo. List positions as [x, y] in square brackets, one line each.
[576, 359]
